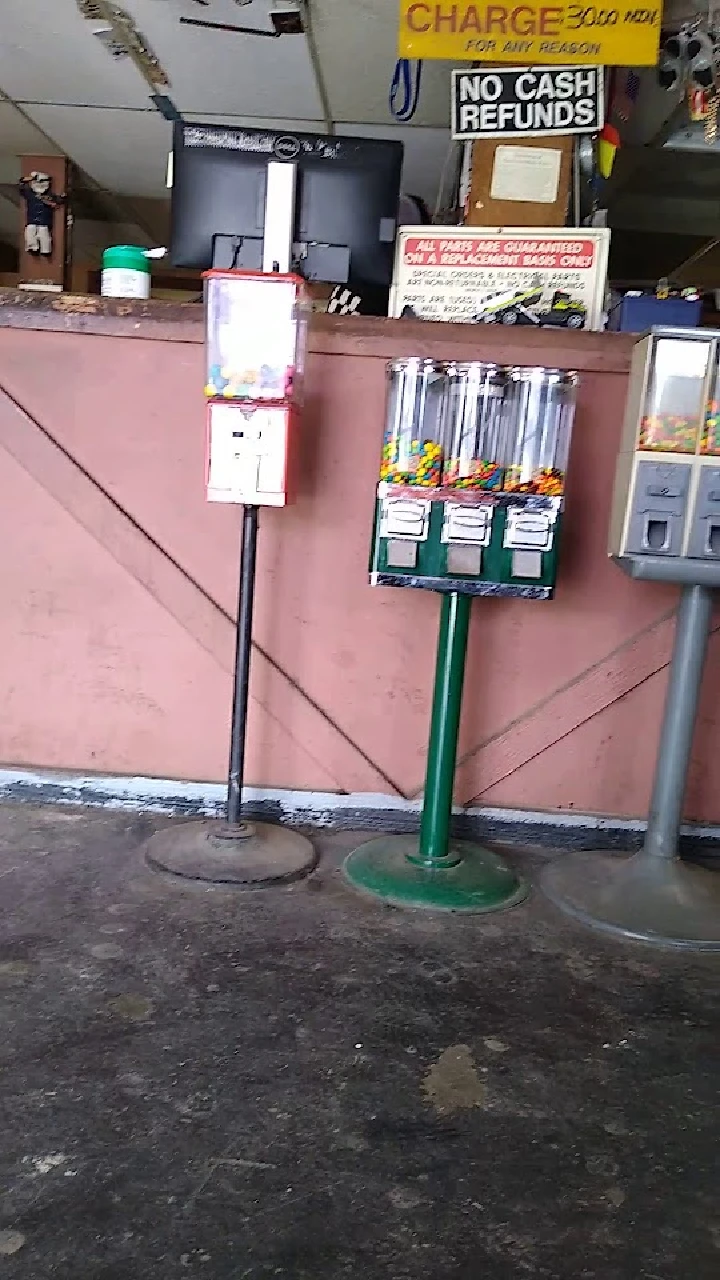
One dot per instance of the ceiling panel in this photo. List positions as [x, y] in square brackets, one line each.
[357, 44]
[219, 71]
[49, 54]
[55, 65]
[19, 137]
[124, 151]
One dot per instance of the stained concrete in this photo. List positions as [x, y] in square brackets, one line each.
[304, 1083]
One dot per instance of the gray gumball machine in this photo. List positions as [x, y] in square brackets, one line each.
[665, 527]
[666, 502]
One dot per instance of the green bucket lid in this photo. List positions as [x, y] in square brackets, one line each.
[126, 257]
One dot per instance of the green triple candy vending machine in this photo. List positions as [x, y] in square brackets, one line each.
[472, 478]
[469, 502]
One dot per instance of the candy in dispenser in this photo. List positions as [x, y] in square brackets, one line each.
[540, 421]
[414, 423]
[674, 400]
[255, 335]
[475, 426]
[710, 441]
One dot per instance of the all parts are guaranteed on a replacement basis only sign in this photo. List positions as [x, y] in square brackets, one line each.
[535, 32]
[526, 102]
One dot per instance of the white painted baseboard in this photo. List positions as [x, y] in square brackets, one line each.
[326, 809]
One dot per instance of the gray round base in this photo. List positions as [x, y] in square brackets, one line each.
[643, 898]
[251, 855]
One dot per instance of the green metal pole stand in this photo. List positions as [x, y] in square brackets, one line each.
[433, 871]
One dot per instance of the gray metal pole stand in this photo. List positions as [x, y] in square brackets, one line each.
[236, 853]
[654, 896]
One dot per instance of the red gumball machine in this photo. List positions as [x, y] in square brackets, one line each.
[255, 354]
[256, 326]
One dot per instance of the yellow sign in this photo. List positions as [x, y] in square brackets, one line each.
[530, 31]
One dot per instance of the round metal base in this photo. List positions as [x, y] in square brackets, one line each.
[470, 879]
[250, 855]
[643, 898]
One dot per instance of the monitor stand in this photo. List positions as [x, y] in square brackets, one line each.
[241, 253]
[277, 252]
[279, 217]
[327, 262]
[273, 251]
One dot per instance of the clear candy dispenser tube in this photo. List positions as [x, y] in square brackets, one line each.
[254, 334]
[414, 423]
[475, 426]
[674, 407]
[710, 442]
[540, 421]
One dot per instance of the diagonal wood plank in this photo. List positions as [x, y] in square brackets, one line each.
[587, 694]
[52, 466]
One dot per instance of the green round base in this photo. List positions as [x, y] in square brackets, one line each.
[472, 879]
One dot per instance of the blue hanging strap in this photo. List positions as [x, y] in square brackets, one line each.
[405, 89]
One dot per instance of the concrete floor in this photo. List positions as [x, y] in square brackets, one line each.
[302, 1083]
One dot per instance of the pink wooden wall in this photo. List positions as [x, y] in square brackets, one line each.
[119, 585]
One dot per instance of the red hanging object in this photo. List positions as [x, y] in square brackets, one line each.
[697, 104]
[607, 145]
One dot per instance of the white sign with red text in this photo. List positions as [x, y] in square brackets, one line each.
[493, 275]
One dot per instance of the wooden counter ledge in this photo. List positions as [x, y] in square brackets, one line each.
[363, 336]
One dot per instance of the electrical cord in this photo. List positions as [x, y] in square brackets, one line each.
[407, 82]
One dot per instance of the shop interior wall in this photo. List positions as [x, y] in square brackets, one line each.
[119, 589]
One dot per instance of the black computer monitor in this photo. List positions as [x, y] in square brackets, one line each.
[346, 201]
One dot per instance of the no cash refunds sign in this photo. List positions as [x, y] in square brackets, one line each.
[526, 101]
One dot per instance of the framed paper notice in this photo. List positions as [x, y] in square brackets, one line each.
[526, 173]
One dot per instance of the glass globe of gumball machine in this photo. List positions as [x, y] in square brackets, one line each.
[544, 409]
[413, 444]
[254, 335]
[538, 434]
[674, 397]
[476, 417]
[474, 433]
[410, 470]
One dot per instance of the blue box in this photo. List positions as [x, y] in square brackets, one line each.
[639, 314]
